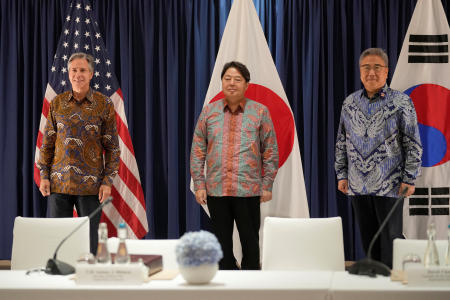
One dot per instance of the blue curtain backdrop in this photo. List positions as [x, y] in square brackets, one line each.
[163, 52]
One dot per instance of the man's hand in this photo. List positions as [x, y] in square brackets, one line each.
[44, 187]
[406, 190]
[104, 192]
[266, 196]
[200, 196]
[343, 186]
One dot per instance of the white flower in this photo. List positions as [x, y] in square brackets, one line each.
[198, 248]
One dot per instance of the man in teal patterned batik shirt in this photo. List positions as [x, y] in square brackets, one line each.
[235, 140]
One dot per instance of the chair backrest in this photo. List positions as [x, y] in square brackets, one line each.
[35, 241]
[403, 247]
[166, 248]
[303, 244]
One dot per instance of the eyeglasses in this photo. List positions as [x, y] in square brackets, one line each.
[376, 68]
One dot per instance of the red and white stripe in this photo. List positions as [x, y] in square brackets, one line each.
[128, 205]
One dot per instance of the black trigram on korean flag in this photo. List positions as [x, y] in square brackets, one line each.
[425, 48]
[430, 202]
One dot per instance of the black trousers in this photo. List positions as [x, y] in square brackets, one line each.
[370, 212]
[61, 206]
[245, 211]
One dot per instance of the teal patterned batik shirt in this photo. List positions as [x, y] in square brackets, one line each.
[378, 143]
[239, 150]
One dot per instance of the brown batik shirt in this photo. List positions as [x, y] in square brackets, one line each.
[80, 147]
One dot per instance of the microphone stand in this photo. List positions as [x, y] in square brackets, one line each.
[57, 267]
[368, 266]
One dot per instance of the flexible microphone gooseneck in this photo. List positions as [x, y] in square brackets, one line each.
[57, 267]
[369, 266]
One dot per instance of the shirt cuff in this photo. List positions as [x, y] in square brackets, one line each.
[267, 186]
[342, 175]
[44, 173]
[108, 180]
[408, 180]
[199, 185]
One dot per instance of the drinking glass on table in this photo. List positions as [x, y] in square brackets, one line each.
[87, 258]
[411, 260]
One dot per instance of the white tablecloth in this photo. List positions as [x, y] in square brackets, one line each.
[233, 285]
[225, 285]
[347, 286]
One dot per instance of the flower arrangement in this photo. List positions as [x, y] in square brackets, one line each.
[198, 248]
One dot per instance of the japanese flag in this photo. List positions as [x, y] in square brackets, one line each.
[243, 40]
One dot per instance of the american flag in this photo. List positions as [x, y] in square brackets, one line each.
[81, 34]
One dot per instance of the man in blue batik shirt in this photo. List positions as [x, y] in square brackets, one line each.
[378, 153]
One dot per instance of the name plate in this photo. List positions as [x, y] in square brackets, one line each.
[433, 276]
[127, 274]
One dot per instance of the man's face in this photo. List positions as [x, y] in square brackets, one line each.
[80, 75]
[233, 85]
[373, 73]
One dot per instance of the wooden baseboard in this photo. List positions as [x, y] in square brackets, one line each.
[348, 264]
[5, 265]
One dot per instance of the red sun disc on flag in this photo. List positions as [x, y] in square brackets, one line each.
[281, 115]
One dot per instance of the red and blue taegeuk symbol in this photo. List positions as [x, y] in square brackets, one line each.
[432, 103]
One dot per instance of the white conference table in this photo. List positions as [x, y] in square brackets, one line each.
[348, 286]
[234, 285]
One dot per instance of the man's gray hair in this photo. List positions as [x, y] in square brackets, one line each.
[82, 55]
[375, 51]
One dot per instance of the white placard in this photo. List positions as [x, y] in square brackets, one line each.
[432, 276]
[127, 274]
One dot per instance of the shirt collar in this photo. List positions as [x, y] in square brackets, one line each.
[240, 107]
[89, 96]
[380, 94]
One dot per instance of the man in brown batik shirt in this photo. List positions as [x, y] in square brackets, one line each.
[79, 156]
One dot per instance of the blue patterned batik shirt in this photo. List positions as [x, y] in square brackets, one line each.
[378, 143]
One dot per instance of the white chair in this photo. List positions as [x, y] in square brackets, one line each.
[35, 241]
[166, 248]
[303, 244]
[403, 247]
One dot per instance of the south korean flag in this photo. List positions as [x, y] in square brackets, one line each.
[423, 72]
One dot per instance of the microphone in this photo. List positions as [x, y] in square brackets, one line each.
[369, 266]
[57, 267]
